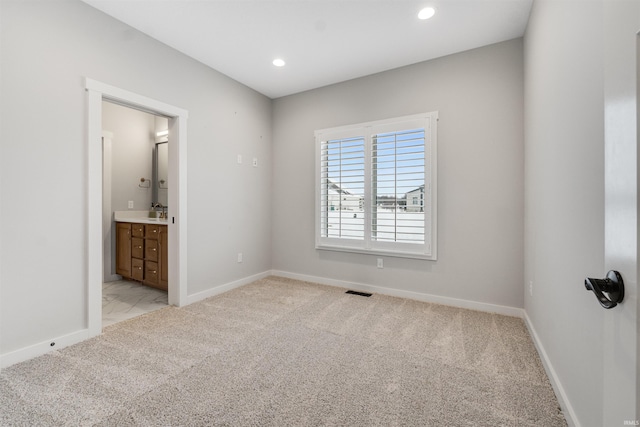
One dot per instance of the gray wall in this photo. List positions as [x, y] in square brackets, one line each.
[479, 97]
[132, 149]
[48, 48]
[564, 212]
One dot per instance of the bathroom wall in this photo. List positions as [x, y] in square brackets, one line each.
[132, 144]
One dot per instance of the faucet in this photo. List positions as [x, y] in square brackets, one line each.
[163, 213]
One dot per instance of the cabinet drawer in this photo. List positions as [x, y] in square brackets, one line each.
[137, 247]
[151, 249]
[151, 272]
[137, 230]
[152, 231]
[137, 272]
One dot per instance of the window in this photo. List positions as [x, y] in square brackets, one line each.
[375, 187]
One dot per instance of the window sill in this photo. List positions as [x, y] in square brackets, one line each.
[378, 252]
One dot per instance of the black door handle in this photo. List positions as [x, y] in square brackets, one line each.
[608, 291]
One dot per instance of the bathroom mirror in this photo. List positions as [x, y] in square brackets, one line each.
[160, 173]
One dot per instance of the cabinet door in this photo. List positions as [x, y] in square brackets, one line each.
[123, 249]
[137, 230]
[137, 269]
[151, 249]
[137, 247]
[163, 258]
[151, 273]
[152, 231]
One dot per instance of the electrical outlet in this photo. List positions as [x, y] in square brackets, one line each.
[130, 204]
[380, 263]
[255, 162]
[530, 287]
[239, 159]
[239, 256]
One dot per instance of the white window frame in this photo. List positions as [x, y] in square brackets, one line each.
[427, 250]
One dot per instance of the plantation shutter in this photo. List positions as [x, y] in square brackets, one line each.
[398, 186]
[342, 188]
[375, 188]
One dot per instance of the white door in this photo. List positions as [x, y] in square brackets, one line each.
[620, 340]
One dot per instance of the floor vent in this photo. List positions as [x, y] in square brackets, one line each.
[362, 294]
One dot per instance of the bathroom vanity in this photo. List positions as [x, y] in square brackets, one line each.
[141, 250]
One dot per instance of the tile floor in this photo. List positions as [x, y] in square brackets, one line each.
[123, 299]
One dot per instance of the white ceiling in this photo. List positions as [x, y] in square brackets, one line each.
[322, 41]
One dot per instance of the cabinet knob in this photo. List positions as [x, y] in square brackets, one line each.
[153, 249]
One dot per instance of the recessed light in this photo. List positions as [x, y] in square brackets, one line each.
[278, 62]
[426, 13]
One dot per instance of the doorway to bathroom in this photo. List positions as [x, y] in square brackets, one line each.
[135, 199]
[175, 221]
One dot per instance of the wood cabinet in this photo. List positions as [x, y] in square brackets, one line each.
[141, 253]
[123, 249]
[163, 244]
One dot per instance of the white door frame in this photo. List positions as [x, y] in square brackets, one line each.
[109, 273]
[177, 229]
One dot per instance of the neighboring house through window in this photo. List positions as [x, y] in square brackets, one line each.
[415, 200]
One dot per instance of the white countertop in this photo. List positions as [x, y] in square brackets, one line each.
[139, 217]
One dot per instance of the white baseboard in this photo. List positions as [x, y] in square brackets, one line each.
[226, 287]
[41, 348]
[454, 302]
[567, 409]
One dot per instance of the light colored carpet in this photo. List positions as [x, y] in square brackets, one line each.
[280, 352]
